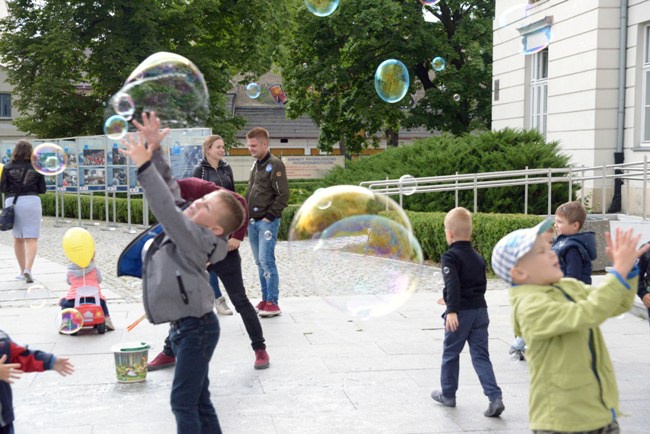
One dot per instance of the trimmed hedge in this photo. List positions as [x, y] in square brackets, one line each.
[99, 207]
[429, 229]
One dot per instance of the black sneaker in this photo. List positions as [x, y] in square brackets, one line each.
[447, 402]
[28, 277]
[495, 408]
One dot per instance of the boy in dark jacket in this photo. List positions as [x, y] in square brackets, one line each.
[466, 316]
[643, 289]
[14, 360]
[175, 282]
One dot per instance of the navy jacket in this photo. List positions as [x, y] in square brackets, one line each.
[576, 253]
[463, 271]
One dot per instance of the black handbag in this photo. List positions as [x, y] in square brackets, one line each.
[7, 215]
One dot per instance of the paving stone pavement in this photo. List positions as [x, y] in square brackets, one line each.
[329, 372]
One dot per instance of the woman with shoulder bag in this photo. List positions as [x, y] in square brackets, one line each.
[21, 182]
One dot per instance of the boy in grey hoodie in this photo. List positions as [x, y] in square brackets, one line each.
[175, 282]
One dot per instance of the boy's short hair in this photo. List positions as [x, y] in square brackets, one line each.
[510, 249]
[234, 217]
[458, 221]
[258, 133]
[573, 211]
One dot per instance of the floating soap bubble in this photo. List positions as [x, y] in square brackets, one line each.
[49, 159]
[116, 127]
[170, 85]
[123, 105]
[69, 321]
[361, 255]
[438, 63]
[391, 80]
[407, 185]
[456, 97]
[36, 295]
[429, 2]
[253, 90]
[268, 235]
[322, 8]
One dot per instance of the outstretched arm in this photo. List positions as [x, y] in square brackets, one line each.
[9, 371]
[154, 136]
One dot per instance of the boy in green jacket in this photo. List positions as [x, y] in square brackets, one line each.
[572, 383]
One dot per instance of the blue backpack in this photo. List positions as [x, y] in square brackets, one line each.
[130, 261]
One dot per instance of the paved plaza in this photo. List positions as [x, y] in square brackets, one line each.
[329, 373]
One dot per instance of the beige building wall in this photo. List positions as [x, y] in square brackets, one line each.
[583, 80]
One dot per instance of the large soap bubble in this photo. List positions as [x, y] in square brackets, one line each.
[168, 84]
[391, 80]
[49, 159]
[322, 8]
[358, 249]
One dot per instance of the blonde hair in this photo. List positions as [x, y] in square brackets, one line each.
[234, 214]
[573, 211]
[209, 141]
[458, 221]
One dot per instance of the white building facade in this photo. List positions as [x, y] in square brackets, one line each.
[558, 67]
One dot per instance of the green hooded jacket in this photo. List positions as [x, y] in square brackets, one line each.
[572, 382]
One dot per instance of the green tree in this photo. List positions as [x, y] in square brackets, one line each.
[329, 64]
[52, 49]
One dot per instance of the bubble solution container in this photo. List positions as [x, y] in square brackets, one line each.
[131, 361]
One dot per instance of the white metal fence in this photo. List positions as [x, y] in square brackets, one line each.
[599, 175]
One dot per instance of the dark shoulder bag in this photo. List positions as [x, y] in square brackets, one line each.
[7, 215]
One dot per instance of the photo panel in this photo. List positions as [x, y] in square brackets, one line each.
[185, 153]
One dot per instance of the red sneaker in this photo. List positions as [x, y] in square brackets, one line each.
[161, 361]
[262, 360]
[271, 309]
[260, 306]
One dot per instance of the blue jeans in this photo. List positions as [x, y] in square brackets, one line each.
[214, 283]
[473, 329]
[263, 236]
[193, 341]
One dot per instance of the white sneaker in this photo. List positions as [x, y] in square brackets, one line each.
[20, 277]
[222, 306]
[28, 276]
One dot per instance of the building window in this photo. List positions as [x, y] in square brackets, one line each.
[5, 105]
[539, 91]
[646, 87]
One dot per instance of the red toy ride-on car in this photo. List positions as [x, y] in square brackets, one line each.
[88, 304]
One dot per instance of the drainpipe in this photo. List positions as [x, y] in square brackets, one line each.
[619, 156]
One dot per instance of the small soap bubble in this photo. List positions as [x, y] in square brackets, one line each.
[429, 2]
[365, 235]
[116, 127]
[69, 321]
[407, 185]
[268, 235]
[392, 80]
[253, 90]
[322, 8]
[438, 63]
[49, 159]
[170, 85]
[251, 221]
[123, 105]
[37, 295]
[456, 97]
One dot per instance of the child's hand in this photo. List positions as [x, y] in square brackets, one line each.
[451, 322]
[9, 371]
[622, 251]
[63, 366]
[136, 150]
[150, 129]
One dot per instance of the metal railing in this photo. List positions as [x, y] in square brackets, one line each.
[408, 185]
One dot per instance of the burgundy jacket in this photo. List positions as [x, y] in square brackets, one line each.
[195, 188]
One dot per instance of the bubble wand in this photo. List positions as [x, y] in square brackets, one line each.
[136, 322]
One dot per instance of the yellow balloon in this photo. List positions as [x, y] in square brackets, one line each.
[79, 246]
[1, 167]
